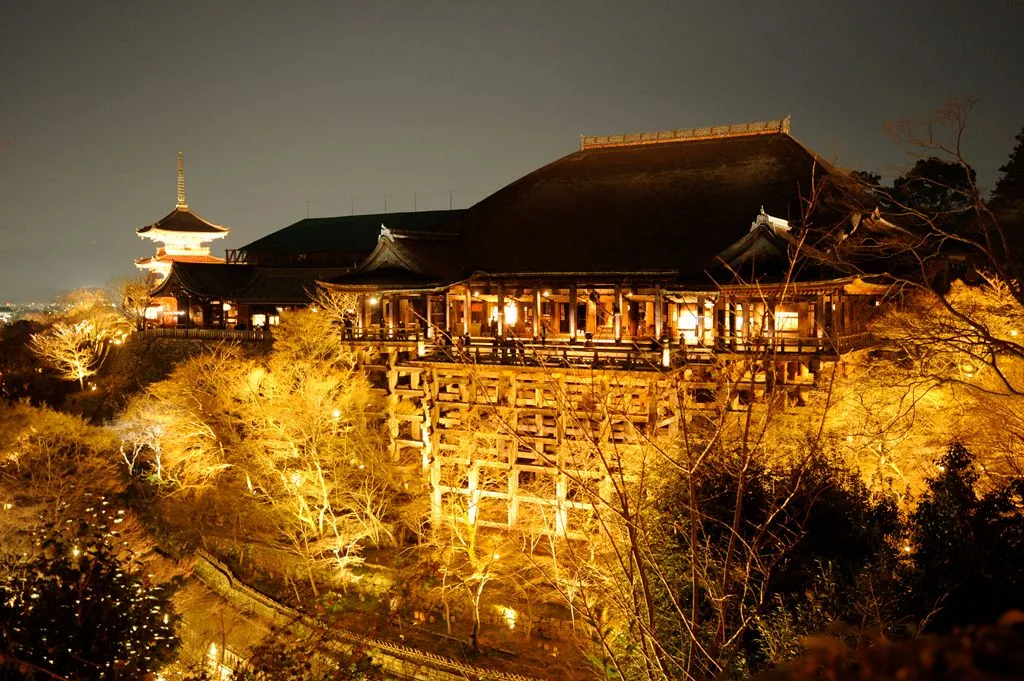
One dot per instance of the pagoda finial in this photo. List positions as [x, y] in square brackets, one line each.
[181, 181]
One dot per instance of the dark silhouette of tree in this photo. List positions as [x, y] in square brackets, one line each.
[1009, 189]
[78, 609]
[936, 187]
[966, 548]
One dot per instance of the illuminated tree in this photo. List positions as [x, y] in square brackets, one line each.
[75, 351]
[51, 466]
[949, 331]
[292, 432]
[133, 294]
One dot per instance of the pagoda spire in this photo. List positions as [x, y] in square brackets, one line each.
[181, 182]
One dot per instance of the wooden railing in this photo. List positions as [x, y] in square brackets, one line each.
[240, 335]
[561, 351]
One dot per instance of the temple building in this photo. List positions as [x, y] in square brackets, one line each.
[277, 272]
[181, 236]
[599, 301]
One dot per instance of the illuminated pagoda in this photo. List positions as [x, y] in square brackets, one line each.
[181, 235]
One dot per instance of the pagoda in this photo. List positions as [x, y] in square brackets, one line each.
[181, 236]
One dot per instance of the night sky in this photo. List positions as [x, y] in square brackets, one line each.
[286, 107]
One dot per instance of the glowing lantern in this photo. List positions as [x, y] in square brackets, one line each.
[511, 312]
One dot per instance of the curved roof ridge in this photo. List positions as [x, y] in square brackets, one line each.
[781, 125]
[184, 220]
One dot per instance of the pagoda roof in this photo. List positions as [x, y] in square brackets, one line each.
[182, 220]
[243, 283]
[346, 234]
[659, 202]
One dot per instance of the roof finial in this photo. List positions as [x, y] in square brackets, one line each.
[181, 182]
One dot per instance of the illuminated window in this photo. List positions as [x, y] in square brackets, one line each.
[787, 321]
[259, 320]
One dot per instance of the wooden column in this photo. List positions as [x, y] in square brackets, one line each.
[429, 315]
[699, 328]
[392, 315]
[501, 311]
[536, 312]
[467, 311]
[572, 312]
[447, 313]
[619, 304]
[732, 324]
[658, 313]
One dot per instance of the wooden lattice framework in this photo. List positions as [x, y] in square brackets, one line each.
[504, 446]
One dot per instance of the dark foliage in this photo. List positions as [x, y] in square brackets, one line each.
[967, 548]
[984, 653]
[77, 610]
[1009, 189]
[809, 522]
[21, 375]
[936, 187]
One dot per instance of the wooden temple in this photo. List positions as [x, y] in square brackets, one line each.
[596, 303]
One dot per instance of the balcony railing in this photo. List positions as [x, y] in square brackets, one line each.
[244, 336]
[563, 351]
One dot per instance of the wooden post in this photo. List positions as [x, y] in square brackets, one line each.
[699, 328]
[447, 313]
[392, 315]
[732, 324]
[536, 312]
[501, 311]
[429, 315]
[572, 312]
[466, 312]
[658, 313]
[619, 304]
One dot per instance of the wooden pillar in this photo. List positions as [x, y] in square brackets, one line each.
[572, 312]
[619, 304]
[467, 311]
[536, 312]
[501, 311]
[699, 328]
[658, 313]
[732, 324]
[447, 313]
[428, 315]
[392, 314]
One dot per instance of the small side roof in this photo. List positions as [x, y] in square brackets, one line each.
[346, 234]
[243, 283]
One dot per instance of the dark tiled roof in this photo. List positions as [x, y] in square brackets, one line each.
[348, 234]
[244, 283]
[670, 206]
[183, 220]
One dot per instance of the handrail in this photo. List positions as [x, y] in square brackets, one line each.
[242, 335]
